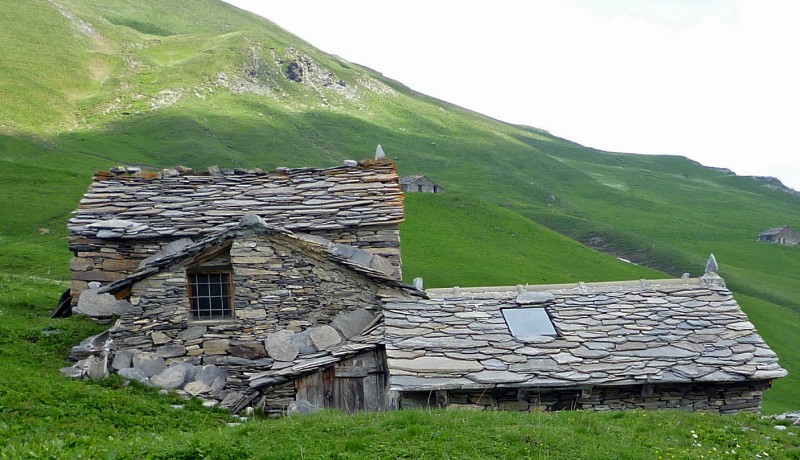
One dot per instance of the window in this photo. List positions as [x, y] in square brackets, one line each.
[210, 295]
[526, 322]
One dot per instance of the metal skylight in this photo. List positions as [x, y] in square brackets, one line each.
[528, 322]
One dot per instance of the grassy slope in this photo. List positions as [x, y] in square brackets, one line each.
[85, 103]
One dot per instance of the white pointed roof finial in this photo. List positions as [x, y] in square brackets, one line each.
[711, 265]
[379, 153]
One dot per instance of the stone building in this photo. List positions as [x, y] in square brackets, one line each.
[419, 184]
[680, 343]
[282, 290]
[282, 315]
[127, 215]
[780, 235]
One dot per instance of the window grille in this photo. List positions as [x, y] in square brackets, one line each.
[210, 295]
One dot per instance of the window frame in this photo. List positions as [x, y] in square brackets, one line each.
[194, 310]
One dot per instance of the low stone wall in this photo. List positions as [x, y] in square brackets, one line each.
[713, 397]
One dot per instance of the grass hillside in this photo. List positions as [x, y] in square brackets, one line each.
[89, 84]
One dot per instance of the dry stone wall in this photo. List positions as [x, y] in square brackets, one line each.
[289, 302]
[106, 261]
[722, 398]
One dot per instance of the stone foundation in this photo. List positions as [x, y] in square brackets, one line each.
[724, 398]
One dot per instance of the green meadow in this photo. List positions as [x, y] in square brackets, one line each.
[91, 84]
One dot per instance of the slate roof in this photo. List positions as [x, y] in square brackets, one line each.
[131, 205]
[775, 231]
[359, 260]
[664, 331]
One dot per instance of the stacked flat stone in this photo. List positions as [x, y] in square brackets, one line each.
[142, 205]
[655, 332]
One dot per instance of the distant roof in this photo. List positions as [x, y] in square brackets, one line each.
[128, 205]
[774, 230]
[410, 179]
[663, 331]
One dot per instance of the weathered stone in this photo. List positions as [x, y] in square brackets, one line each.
[209, 373]
[324, 337]
[692, 371]
[191, 333]
[303, 342]
[664, 352]
[591, 354]
[301, 407]
[122, 359]
[281, 346]
[159, 338]
[72, 372]
[492, 377]
[132, 373]
[148, 363]
[197, 388]
[97, 366]
[353, 322]
[248, 350]
[263, 362]
[172, 377]
[231, 399]
[216, 347]
[532, 298]
[439, 364]
[171, 350]
[96, 305]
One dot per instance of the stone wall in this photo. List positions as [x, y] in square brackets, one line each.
[105, 261]
[714, 397]
[108, 260]
[289, 301]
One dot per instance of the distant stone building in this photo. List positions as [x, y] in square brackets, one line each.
[419, 184]
[780, 235]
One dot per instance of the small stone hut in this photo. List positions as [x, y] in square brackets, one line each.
[422, 184]
[283, 316]
[780, 235]
[681, 343]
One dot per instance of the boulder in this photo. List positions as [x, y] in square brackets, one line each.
[96, 305]
[209, 373]
[196, 388]
[301, 408]
[131, 373]
[352, 323]
[172, 377]
[122, 359]
[247, 350]
[148, 363]
[303, 342]
[281, 346]
[324, 336]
